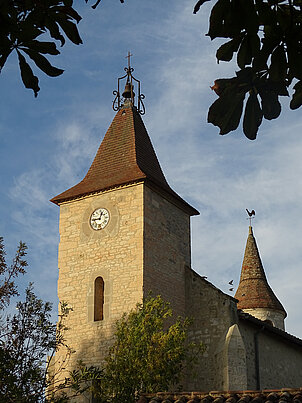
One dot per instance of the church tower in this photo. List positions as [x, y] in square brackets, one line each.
[254, 294]
[123, 233]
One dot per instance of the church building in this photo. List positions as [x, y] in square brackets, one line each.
[124, 232]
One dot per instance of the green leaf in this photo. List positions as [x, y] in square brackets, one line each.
[252, 117]
[226, 51]
[255, 44]
[265, 13]
[270, 104]
[260, 61]
[280, 88]
[43, 47]
[294, 54]
[232, 20]
[198, 5]
[222, 84]
[296, 101]
[272, 38]
[27, 31]
[72, 12]
[43, 63]
[54, 30]
[217, 16]
[244, 56]
[226, 111]
[284, 17]
[67, 11]
[3, 58]
[245, 75]
[6, 48]
[68, 3]
[29, 79]
[278, 67]
[249, 15]
[70, 30]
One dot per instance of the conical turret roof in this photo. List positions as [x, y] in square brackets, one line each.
[253, 290]
[126, 155]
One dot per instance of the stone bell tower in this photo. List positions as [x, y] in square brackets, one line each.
[254, 294]
[123, 233]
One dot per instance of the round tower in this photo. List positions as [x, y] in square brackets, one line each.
[254, 294]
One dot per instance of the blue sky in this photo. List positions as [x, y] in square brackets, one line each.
[48, 143]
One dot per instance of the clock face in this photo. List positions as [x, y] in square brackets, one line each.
[99, 219]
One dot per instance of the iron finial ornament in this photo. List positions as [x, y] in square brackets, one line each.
[128, 57]
[250, 215]
[128, 95]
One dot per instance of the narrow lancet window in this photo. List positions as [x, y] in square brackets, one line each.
[98, 299]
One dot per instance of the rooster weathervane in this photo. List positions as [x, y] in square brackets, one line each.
[250, 215]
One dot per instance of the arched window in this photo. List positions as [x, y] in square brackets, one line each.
[98, 299]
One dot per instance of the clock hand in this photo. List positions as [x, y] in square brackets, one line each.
[97, 218]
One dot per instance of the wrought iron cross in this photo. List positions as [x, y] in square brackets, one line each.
[128, 57]
[130, 81]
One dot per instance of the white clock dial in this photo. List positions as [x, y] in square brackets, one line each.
[99, 219]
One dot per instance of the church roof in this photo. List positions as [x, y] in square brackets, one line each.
[243, 396]
[253, 290]
[126, 155]
[269, 329]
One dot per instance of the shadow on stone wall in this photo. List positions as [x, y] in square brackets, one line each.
[91, 352]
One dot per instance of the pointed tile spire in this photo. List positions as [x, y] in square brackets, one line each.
[126, 155]
[254, 294]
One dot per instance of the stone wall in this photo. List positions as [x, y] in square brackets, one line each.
[145, 247]
[280, 359]
[213, 313]
[114, 253]
[167, 249]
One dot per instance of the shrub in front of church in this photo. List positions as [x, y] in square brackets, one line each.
[148, 355]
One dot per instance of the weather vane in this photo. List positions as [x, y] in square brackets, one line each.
[251, 214]
[128, 93]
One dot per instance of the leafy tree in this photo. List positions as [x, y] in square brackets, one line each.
[266, 37]
[23, 21]
[28, 342]
[9, 273]
[148, 354]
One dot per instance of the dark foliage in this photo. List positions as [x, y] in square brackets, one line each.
[8, 274]
[266, 38]
[25, 340]
[28, 342]
[22, 25]
[23, 22]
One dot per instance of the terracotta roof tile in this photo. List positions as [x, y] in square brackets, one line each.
[244, 396]
[253, 290]
[125, 155]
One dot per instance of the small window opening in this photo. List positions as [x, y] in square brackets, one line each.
[268, 321]
[98, 299]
